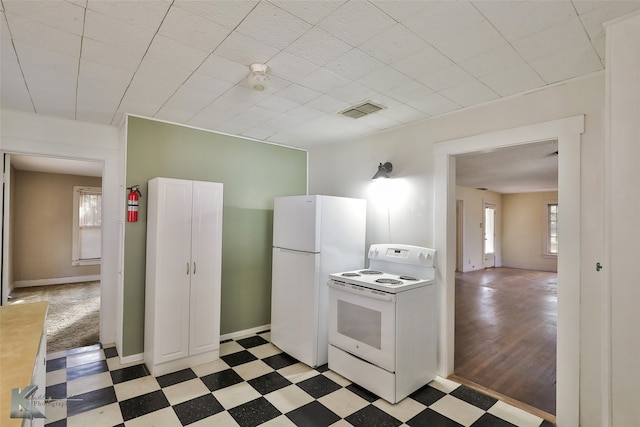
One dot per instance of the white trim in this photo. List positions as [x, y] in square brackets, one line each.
[121, 214]
[183, 363]
[251, 331]
[75, 230]
[233, 335]
[545, 229]
[216, 132]
[55, 281]
[6, 267]
[460, 229]
[41, 135]
[488, 203]
[567, 131]
[130, 359]
[619, 19]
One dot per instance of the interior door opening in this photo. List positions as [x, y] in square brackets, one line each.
[489, 234]
[496, 337]
[37, 255]
[567, 132]
[459, 235]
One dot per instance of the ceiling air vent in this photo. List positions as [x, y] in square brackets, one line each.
[361, 110]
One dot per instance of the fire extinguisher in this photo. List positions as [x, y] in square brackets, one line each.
[132, 203]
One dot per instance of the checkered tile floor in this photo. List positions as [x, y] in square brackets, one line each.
[253, 383]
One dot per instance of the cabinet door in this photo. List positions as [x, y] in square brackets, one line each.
[173, 266]
[206, 247]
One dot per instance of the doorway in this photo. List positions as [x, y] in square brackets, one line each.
[41, 232]
[459, 235]
[567, 132]
[489, 235]
[506, 317]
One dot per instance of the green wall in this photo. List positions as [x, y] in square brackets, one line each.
[253, 174]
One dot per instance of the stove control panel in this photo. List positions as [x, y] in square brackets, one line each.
[402, 254]
[397, 253]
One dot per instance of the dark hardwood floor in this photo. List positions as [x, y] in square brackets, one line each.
[505, 337]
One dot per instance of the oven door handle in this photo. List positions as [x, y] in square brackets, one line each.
[362, 291]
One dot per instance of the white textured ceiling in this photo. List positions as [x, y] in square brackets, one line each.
[56, 165]
[186, 61]
[517, 169]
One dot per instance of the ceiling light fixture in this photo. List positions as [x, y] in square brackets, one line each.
[383, 171]
[258, 78]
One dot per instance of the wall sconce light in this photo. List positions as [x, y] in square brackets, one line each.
[383, 171]
[258, 78]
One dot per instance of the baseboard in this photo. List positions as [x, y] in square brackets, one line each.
[183, 363]
[140, 356]
[130, 359]
[251, 331]
[55, 281]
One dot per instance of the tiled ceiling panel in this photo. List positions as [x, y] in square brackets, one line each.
[273, 26]
[187, 61]
[192, 30]
[145, 15]
[64, 16]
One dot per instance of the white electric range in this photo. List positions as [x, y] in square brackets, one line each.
[383, 321]
[393, 269]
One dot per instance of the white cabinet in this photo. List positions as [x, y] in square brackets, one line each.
[182, 291]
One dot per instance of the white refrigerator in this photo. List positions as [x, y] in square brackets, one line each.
[313, 236]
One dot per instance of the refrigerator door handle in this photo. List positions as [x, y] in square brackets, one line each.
[293, 251]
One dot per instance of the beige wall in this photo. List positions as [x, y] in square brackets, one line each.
[42, 226]
[523, 231]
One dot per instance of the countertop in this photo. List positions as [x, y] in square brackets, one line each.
[21, 328]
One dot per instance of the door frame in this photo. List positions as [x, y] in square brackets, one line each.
[460, 235]
[43, 136]
[486, 204]
[567, 132]
[5, 266]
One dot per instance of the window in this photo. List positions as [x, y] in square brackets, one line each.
[87, 225]
[551, 215]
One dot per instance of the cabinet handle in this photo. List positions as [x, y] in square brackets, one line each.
[194, 267]
[187, 269]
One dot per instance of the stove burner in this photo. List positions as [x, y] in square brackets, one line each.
[370, 272]
[389, 281]
[408, 278]
[350, 275]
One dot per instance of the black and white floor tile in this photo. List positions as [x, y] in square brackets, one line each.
[253, 383]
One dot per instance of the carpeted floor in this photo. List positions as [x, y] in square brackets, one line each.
[73, 319]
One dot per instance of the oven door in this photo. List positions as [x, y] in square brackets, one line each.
[362, 322]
